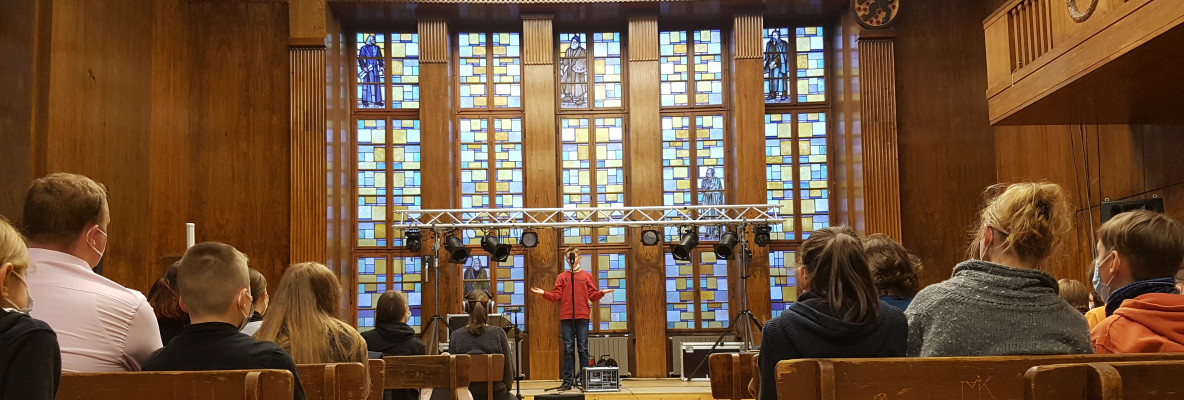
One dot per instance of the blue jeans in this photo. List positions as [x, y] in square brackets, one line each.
[579, 329]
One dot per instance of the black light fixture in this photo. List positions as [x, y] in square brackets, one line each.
[727, 241]
[650, 237]
[688, 242]
[761, 235]
[457, 252]
[529, 239]
[497, 251]
[413, 240]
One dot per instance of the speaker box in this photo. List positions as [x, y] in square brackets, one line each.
[1112, 208]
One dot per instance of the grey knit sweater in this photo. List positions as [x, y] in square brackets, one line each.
[987, 309]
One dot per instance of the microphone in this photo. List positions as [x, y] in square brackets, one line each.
[571, 259]
[512, 309]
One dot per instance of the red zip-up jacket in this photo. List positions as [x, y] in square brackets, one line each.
[586, 292]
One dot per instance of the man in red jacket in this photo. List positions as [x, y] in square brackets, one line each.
[574, 312]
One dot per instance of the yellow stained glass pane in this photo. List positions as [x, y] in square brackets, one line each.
[503, 186]
[482, 186]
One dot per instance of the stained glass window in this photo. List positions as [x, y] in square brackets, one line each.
[794, 63]
[490, 166]
[783, 282]
[693, 177]
[606, 73]
[612, 312]
[813, 178]
[593, 172]
[489, 70]
[388, 177]
[796, 169]
[697, 292]
[780, 172]
[387, 70]
[504, 280]
[377, 274]
[691, 68]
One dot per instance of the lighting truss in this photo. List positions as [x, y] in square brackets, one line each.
[649, 216]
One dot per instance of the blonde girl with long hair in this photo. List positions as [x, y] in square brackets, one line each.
[32, 360]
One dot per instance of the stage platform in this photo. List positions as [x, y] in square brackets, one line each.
[631, 388]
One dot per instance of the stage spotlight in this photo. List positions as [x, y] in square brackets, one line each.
[761, 235]
[529, 239]
[724, 248]
[457, 252]
[650, 237]
[413, 240]
[688, 242]
[497, 251]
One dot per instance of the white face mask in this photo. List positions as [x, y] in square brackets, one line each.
[104, 246]
[246, 314]
[28, 309]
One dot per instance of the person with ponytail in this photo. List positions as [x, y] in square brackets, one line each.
[1001, 302]
[479, 338]
[837, 315]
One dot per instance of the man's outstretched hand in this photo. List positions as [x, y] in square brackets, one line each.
[537, 290]
[607, 291]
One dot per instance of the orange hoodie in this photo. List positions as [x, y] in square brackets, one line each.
[1150, 323]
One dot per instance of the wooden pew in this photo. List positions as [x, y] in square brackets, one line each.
[179, 385]
[377, 378]
[968, 378]
[488, 368]
[415, 372]
[1131, 380]
[730, 374]
[338, 381]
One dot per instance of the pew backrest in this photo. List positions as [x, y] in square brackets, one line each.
[439, 372]
[337, 381]
[1129, 380]
[377, 378]
[923, 378]
[488, 368]
[730, 374]
[181, 385]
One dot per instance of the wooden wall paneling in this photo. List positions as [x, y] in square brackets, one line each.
[339, 160]
[1162, 146]
[542, 191]
[847, 126]
[1041, 153]
[98, 102]
[1120, 158]
[647, 270]
[23, 45]
[748, 179]
[309, 197]
[436, 115]
[877, 94]
[945, 144]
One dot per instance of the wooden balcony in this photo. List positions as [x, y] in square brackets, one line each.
[1122, 63]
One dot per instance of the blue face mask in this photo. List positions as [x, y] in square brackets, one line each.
[1102, 288]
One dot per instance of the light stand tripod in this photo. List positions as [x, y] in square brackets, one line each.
[745, 317]
[433, 346]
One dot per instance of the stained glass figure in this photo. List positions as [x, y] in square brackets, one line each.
[777, 66]
[371, 72]
[573, 74]
[476, 276]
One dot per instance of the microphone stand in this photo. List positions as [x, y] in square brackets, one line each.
[518, 357]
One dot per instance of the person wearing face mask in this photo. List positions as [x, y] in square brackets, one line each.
[213, 286]
[259, 304]
[30, 361]
[101, 325]
[1002, 303]
[1139, 253]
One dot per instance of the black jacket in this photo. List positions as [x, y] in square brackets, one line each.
[30, 360]
[395, 339]
[220, 346]
[807, 329]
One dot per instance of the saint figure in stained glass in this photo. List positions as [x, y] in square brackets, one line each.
[573, 73]
[476, 271]
[711, 193]
[371, 69]
[777, 66]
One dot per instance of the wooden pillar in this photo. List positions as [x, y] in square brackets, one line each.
[748, 178]
[646, 273]
[542, 180]
[309, 191]
[439, 189]
[881, 167]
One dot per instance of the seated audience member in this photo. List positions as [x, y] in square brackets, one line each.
[392, 336]
[303, 319]
[1180, 280]
[479, 338]
[30, 361]
[838, 314]
[259, 302]
[1002, 303]
[1097, 305]
[163, 298]
[893, 269]
[1074, 293]
[212, 283]
[1139, 253]
[101, 326]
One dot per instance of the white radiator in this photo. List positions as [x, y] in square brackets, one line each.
[616, 347]
[676, 349]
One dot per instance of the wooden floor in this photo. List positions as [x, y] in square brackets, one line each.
[640, 389]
